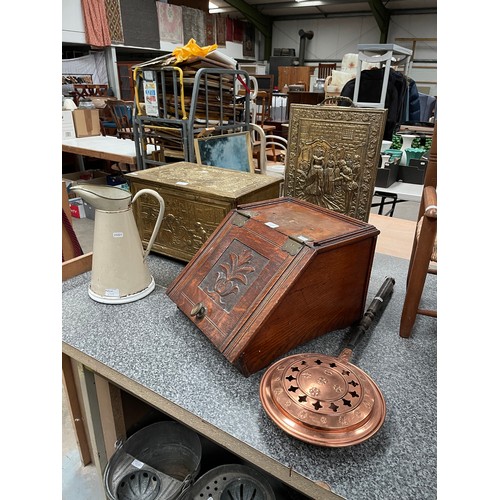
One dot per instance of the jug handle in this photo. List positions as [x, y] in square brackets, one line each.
[159, 219]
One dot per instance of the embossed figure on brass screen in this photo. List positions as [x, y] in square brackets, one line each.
[329, 175]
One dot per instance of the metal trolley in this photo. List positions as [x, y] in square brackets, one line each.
[182, 103]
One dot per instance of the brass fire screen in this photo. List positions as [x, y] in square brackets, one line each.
[333, 156]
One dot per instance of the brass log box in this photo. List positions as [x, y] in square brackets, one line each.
[275, 275]
[197, 198]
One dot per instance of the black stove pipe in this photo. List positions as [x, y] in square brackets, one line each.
[302, 47]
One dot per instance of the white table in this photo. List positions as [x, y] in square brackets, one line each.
[397, 193]
[105, 147]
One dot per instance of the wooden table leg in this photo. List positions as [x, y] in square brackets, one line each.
[75, 410]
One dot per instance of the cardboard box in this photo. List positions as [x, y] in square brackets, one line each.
[68, 127]
[86, 122]
[77, 208]
[86, 177]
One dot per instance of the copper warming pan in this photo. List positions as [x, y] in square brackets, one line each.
[324, 400]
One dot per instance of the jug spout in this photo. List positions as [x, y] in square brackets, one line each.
[107, 198]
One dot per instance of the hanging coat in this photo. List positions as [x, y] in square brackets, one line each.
[370, 90]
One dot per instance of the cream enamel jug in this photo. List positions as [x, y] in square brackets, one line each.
[119, 270]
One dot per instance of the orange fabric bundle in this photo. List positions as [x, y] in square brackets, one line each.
[192, 49]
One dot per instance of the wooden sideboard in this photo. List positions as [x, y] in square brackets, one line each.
[303, 98]
[291, 75]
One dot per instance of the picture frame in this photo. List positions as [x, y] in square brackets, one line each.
[231, 151]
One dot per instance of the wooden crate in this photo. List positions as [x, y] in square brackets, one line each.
[197, 198]
[274, 275]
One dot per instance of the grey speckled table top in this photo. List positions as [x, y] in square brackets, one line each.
[152, 343]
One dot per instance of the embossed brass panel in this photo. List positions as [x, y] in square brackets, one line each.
[197, 198]
[333, 155]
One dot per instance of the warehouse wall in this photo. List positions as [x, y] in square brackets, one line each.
[73, 27]
[335, 37]
[73, 31]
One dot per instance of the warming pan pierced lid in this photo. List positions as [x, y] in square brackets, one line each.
[322, 400]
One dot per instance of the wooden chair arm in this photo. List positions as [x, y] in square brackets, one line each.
[430, 202]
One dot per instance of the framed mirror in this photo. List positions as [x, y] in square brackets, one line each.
[231, 151]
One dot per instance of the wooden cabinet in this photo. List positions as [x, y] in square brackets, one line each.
[126, 79]
[303, 98]
[292, 75]
[274, 275]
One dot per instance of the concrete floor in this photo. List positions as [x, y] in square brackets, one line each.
[82, 483]
[78, 482]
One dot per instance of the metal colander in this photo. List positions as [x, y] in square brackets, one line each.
[140, 485]
[230, 482]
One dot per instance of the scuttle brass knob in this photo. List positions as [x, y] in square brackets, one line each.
[199, 310]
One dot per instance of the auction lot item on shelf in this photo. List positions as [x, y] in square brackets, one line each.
[158, 461]
[274, 275]
[230, 481]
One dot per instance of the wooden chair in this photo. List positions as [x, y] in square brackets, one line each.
[423, 260]
[264, 97]
[121, 111]
[258, 142]
[70, 245]
[74, 262]
[325, 69]
[108, 126]
[276, 150]
[263, 107]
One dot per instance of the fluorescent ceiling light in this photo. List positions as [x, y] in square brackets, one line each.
[309, 3]
[213, 9]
